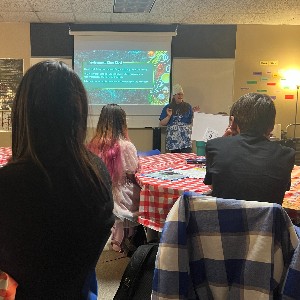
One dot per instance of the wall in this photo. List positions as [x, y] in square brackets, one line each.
[5, 139]
[15, 43]
[272, 44]
[141, 138]
[192, 41]
[51, 40]
[253, 43]
[206, 82]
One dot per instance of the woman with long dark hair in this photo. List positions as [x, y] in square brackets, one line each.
[178, 117]
[55, 204]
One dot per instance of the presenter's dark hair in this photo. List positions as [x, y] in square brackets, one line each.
[179, 108]
[49, 122]
[254, 113]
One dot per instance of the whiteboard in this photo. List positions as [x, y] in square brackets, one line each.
[206, 82]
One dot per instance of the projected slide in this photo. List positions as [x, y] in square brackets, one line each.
[125, 76]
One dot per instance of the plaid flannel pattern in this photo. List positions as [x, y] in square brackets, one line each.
[291, 288]
[226, 249]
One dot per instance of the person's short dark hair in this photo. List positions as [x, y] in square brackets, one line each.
[254, 113]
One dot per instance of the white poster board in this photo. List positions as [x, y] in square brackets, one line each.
[208, 126]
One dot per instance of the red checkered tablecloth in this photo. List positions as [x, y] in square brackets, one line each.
[7, 284]
[5, 154]
[158, 196]
[291, 201]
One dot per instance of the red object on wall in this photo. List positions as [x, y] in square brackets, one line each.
[289, 97]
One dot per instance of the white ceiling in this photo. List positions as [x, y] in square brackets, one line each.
[272, 12]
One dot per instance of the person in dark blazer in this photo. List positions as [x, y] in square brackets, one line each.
[244, 164]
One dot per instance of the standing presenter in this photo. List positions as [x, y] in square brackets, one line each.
[178, 117]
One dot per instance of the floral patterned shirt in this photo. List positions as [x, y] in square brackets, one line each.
[179, 129]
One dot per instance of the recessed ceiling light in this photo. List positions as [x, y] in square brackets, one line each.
[133, 6]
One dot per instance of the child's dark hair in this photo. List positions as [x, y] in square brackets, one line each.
[111, 128]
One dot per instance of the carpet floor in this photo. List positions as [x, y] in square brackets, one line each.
[109, 270]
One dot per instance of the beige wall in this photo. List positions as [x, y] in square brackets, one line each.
[141, 138]
[15, 43]
[5, 139]
[256, 43]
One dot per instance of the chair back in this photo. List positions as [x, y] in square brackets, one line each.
[214, 248]
[8, 287]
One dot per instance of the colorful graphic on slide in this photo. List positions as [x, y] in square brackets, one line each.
[125, 77]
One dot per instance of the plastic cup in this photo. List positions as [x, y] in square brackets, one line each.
[200, 145]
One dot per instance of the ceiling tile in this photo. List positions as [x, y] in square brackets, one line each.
[50, 17]
[163, 12]
[256, 19]
[20, 17]
[163, 18]
[104, 6]
[132, 6]
[18, 5]
[92, 18]
[129, 17]
[51, 6]
[161, 6]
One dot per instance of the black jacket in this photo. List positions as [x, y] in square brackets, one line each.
[50, 238]
[247, 167]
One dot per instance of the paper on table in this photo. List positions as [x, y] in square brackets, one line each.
[176, 174]
[192, 173]
[208, 126]
[168, 174]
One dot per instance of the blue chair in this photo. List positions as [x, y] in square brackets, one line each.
[148, 153]
[90, 289]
